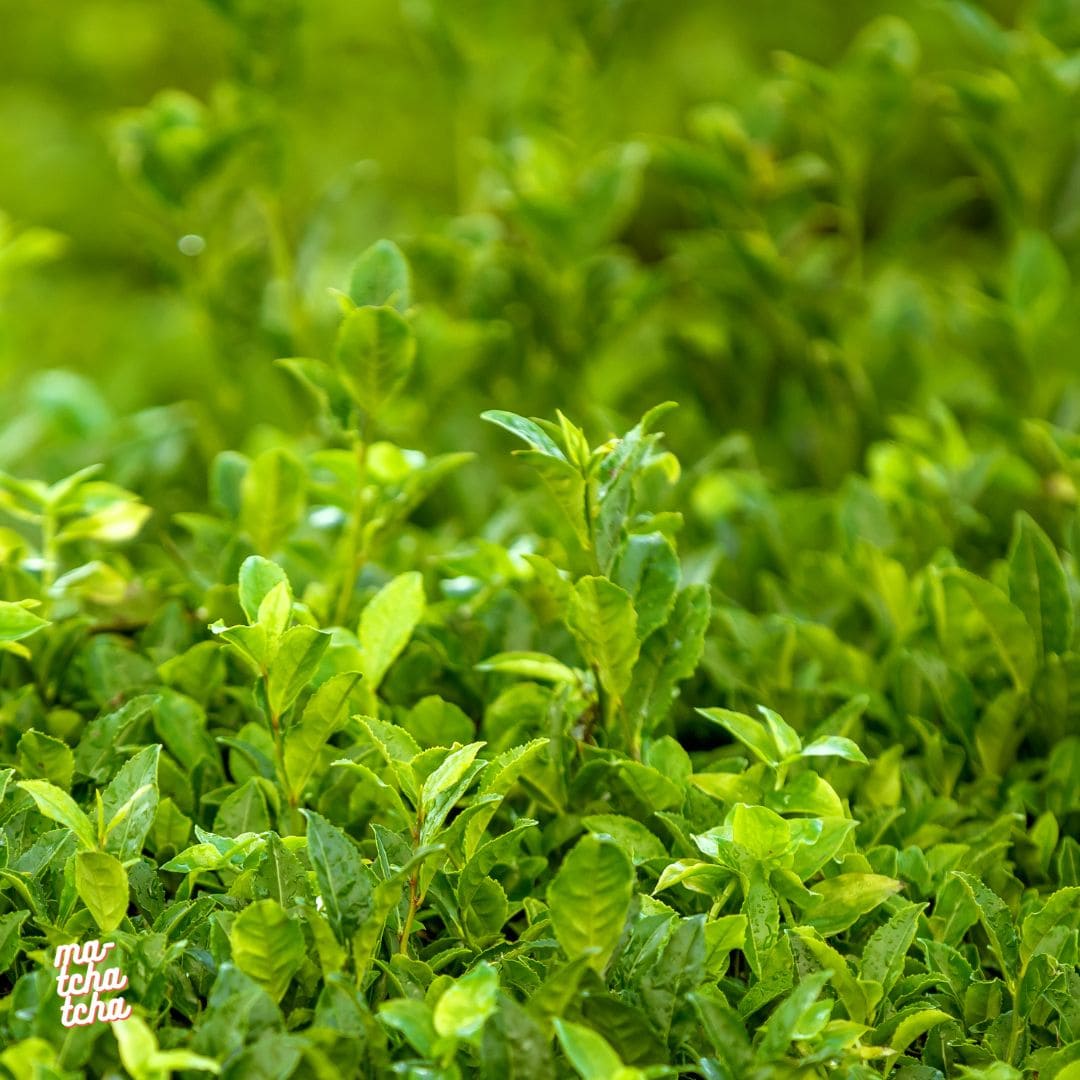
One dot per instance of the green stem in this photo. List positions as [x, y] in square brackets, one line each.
[355, 548]
[601, 701]
[785, 907]
[633, 735]
[50, 555]
[279, 745]
[721, 900]
[410, 915]
[1017, 1025]
[591, 526]
[285, 271]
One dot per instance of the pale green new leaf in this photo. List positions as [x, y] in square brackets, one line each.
[294, 665]
[102, 884]
[17, 621]
[466, 1004]
[567, 486]
[258, 577]
[387, 623]
[911, 1027]
[590, 1053]
[750, 732]
[530, 665]
[527, 430]
[113, 524]
[60, 806]
[602, 619]
[834, 746]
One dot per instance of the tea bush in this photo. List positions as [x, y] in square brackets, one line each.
[408, 686]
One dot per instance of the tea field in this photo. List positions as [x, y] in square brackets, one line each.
[541, 540]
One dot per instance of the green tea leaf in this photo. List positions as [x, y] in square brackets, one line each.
[243, 811]
[602, 619]
[102, 884]
[589, 1053]
[913, 1026]
[272, 499]
[444, 786]
[258, 577]
[790, 1020]
[527, 430]
[130, 803]
[834, 746]
[567, 487]
[466, 1005]
[647, 568]
[1038, 587]
[850, 990]
[345, 883]
[762, 913]
[323, 383]
[1008, 629]
[324, 714]
[998, 923]
[668, 656]
[760, 832]
[381, 277]
[750, 732]
[10, 940]
[144, 1061]
[60, 806]
[42, 756]
[847, 897]
[294, 665]
[267, 945]
[590, 899]
[113, 523]
[531, 665]
[374, 355]
[633, 837]
[1046, 929]
[883, 955]
[18, 621]
[679, 970]
[280, 875]
[387, 623]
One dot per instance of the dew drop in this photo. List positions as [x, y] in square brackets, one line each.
[191, 244]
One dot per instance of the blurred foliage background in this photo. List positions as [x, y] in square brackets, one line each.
[802, 220]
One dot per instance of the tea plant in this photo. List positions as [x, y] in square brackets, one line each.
[736, 739]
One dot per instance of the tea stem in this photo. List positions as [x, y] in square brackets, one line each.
[355, 548]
